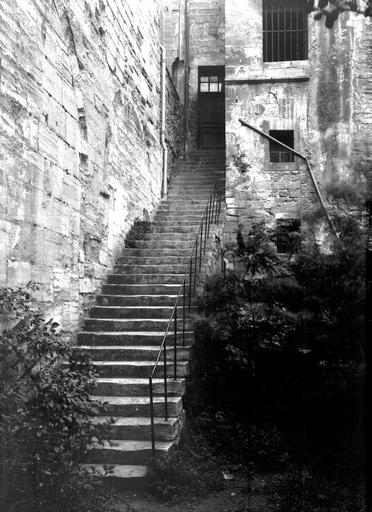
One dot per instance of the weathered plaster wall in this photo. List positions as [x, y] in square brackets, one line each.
[324, 100]
[80, 147]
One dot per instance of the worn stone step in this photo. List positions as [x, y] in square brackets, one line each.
[143, 252]
[141, 289]
[136, 300]
[166, 244]
[138, 428]
[139, 369]
[128, 452]
[166, 268]
[135, 353]
[163, 312]
[139, 405]
[152, 260]
[130, 324]
[171, 234]
[137, 387]
[179, 226]
[128, 338]
[125, 477]
[145, 278]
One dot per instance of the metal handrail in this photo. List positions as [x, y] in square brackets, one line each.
[306, 160]
[211, 216]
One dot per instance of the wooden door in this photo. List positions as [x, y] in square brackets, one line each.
[211, 106]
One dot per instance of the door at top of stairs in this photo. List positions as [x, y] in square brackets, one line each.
[211, 107]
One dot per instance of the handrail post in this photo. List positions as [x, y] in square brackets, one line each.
[196, 259]
[183, 312]
[201, 241]
[175, 342]
[200, 253]
[152, 417]
[165, 380]
[190, 284]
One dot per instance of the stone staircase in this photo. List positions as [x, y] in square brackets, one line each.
[126, 327]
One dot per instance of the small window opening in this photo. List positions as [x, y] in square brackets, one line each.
[277, 152]
[285, 30]
[287, 231]
[211, 84]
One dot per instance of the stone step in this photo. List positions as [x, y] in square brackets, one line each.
[152, 260]
[166, 268]
[128, 452]
[126, 477]
[138, 428]
[141, 289]
[139, 369]
[130, 324]
[166, 244]
[137, 387]
[135, 353]
[128, 338]
[139, 405]
[178, 227]
[143, 252]
[136, 300]
[144, 278]
[163, 312]
[155, 236]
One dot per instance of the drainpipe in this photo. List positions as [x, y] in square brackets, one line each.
[306, 160]
[162, 125]
[187, 58]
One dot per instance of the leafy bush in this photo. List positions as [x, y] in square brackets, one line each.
[137, 232]
[45, 411]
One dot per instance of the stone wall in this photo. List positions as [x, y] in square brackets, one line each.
[324, 99]
[80, 141]
[174, 124]
[206, 48]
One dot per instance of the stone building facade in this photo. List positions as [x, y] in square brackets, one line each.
[80, 106]
[80, 135]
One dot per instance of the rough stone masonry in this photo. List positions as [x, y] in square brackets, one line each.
[80, 151]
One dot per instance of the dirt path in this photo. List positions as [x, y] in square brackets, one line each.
[234, 498]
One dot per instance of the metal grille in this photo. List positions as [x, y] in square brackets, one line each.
[277, 152]
[284, 30]
[287, 235]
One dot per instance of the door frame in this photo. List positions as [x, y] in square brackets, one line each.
[218, 71]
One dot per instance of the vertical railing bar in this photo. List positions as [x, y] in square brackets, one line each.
[190, 284]
[196, 260]
[165, 379]
[175, 342]
[184, 312]
[200, 252]
[152, 417]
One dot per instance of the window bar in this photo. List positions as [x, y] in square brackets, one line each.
[175, 341]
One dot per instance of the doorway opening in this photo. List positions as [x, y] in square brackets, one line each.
[211, 107]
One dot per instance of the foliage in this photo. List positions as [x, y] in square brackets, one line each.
[137, 232]
[45, 408]
[191, 471]
[307, 301]
[331, 9]
[281, 360]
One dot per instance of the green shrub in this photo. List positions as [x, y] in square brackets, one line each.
[137, 232]
[45, 410]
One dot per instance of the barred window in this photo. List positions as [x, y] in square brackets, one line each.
[277, 152]
[285, 30]
[287, 235]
